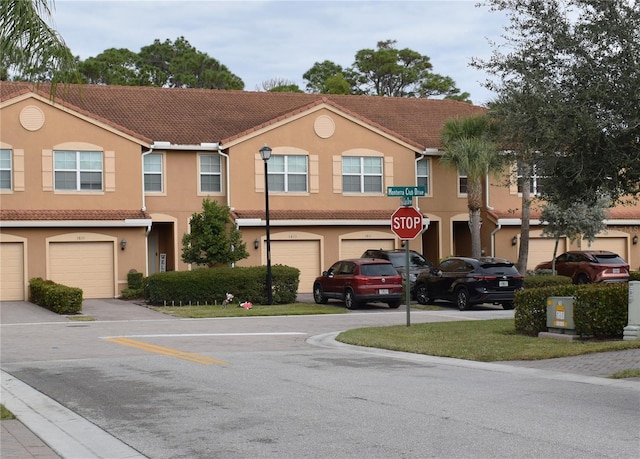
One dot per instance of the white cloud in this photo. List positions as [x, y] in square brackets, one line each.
[261, 40]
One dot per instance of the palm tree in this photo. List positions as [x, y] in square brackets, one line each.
[468, 148]
[28, 44]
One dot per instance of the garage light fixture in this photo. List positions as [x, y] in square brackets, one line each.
[123, 244]
[514, 241]
[256, 243]
[635, 239]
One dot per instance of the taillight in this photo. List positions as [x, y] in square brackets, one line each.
[485, 277]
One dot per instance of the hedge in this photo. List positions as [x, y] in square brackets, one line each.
[210, 285]
[55, 297]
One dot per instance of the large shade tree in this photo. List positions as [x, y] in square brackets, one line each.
[583, 57]
[29, 45]
[468, 147]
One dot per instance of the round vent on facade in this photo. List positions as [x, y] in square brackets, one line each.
[32, 118]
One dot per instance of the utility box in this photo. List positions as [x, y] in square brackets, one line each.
[560, 315]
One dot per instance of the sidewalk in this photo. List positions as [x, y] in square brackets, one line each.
[40, 418]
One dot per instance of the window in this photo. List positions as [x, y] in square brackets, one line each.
[153, 173]
[535, 182]
[287, 173]
[423, 174]
[78, 170]
[361, 174]
[5, 169]
[210, 174]
[462, 182]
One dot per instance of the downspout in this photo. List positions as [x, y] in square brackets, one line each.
[228, 185]
[144, 209]
[493, 239]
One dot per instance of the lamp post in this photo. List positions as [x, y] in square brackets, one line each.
[265, 154]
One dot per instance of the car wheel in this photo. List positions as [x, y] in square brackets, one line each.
[318, 294]
[508, 305]
[462, 298]
[422, 294]
[350, 299]
[582, 279]
[394, 304]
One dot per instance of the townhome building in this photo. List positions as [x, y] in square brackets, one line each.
[96, 181]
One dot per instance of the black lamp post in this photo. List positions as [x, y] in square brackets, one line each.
[265, 154]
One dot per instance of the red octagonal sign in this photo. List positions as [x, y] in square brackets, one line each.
[406, 222]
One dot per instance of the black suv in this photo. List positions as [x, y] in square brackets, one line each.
[397, 257]
[469, 281]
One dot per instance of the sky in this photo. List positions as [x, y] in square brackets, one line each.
[274, 39]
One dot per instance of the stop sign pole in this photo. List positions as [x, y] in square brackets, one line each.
[407, 223]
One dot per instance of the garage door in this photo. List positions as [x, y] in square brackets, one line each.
[12, 271]
[541, 249]
[354, 248]
[86, 265]
[304, 255]
[613, 244]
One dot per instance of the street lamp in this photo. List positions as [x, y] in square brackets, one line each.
[265, 154]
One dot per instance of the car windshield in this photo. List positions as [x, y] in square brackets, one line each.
[415, 260]
[378, 270]
[610, 259]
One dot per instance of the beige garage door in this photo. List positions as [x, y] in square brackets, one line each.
[86, 265]
[613, 244]
[12, 271]
[541, 249]
[304, 255]
[354, 248]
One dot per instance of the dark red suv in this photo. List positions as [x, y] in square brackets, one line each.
[359, 281]
[587, 266]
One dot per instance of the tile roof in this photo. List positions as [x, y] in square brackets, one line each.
[71, 214]
[193, 116]
[616, 213]
[316, 214]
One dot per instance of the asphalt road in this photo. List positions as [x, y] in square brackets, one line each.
[280, 387]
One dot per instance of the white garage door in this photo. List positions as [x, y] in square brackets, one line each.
[304, 255]
[354, 248]
[613, 244]
[12, 271]
[86, 265]
[541, 249]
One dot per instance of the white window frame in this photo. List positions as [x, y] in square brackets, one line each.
[286, 174]
[154, 172]
[6, 168]
[362, 175]
[463, 182]
[78, 170]
[210, 173]
[423, 179]
[535, 185]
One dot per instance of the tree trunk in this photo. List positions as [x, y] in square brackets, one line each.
[474, 200]
[523, 250]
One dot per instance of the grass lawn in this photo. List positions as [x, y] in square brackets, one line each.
[5, 413]
[295, 309]
[480, 340]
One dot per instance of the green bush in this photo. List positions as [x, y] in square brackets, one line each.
[531, 307]
[134, 280]
[601, 310]
[545, 280]
[634, 276]
[55, 297]
[210, 285]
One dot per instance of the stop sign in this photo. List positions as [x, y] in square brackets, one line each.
[406, 222]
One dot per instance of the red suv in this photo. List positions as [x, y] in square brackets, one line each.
[586, 266]
[359, 281]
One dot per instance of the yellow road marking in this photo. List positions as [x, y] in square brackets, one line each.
[197, 358]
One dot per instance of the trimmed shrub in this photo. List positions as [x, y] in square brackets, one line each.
[634, 275]
[134, 279]
[210, 285]
[545, 280]
[55, 297]
[601, 310]
[531, 307]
